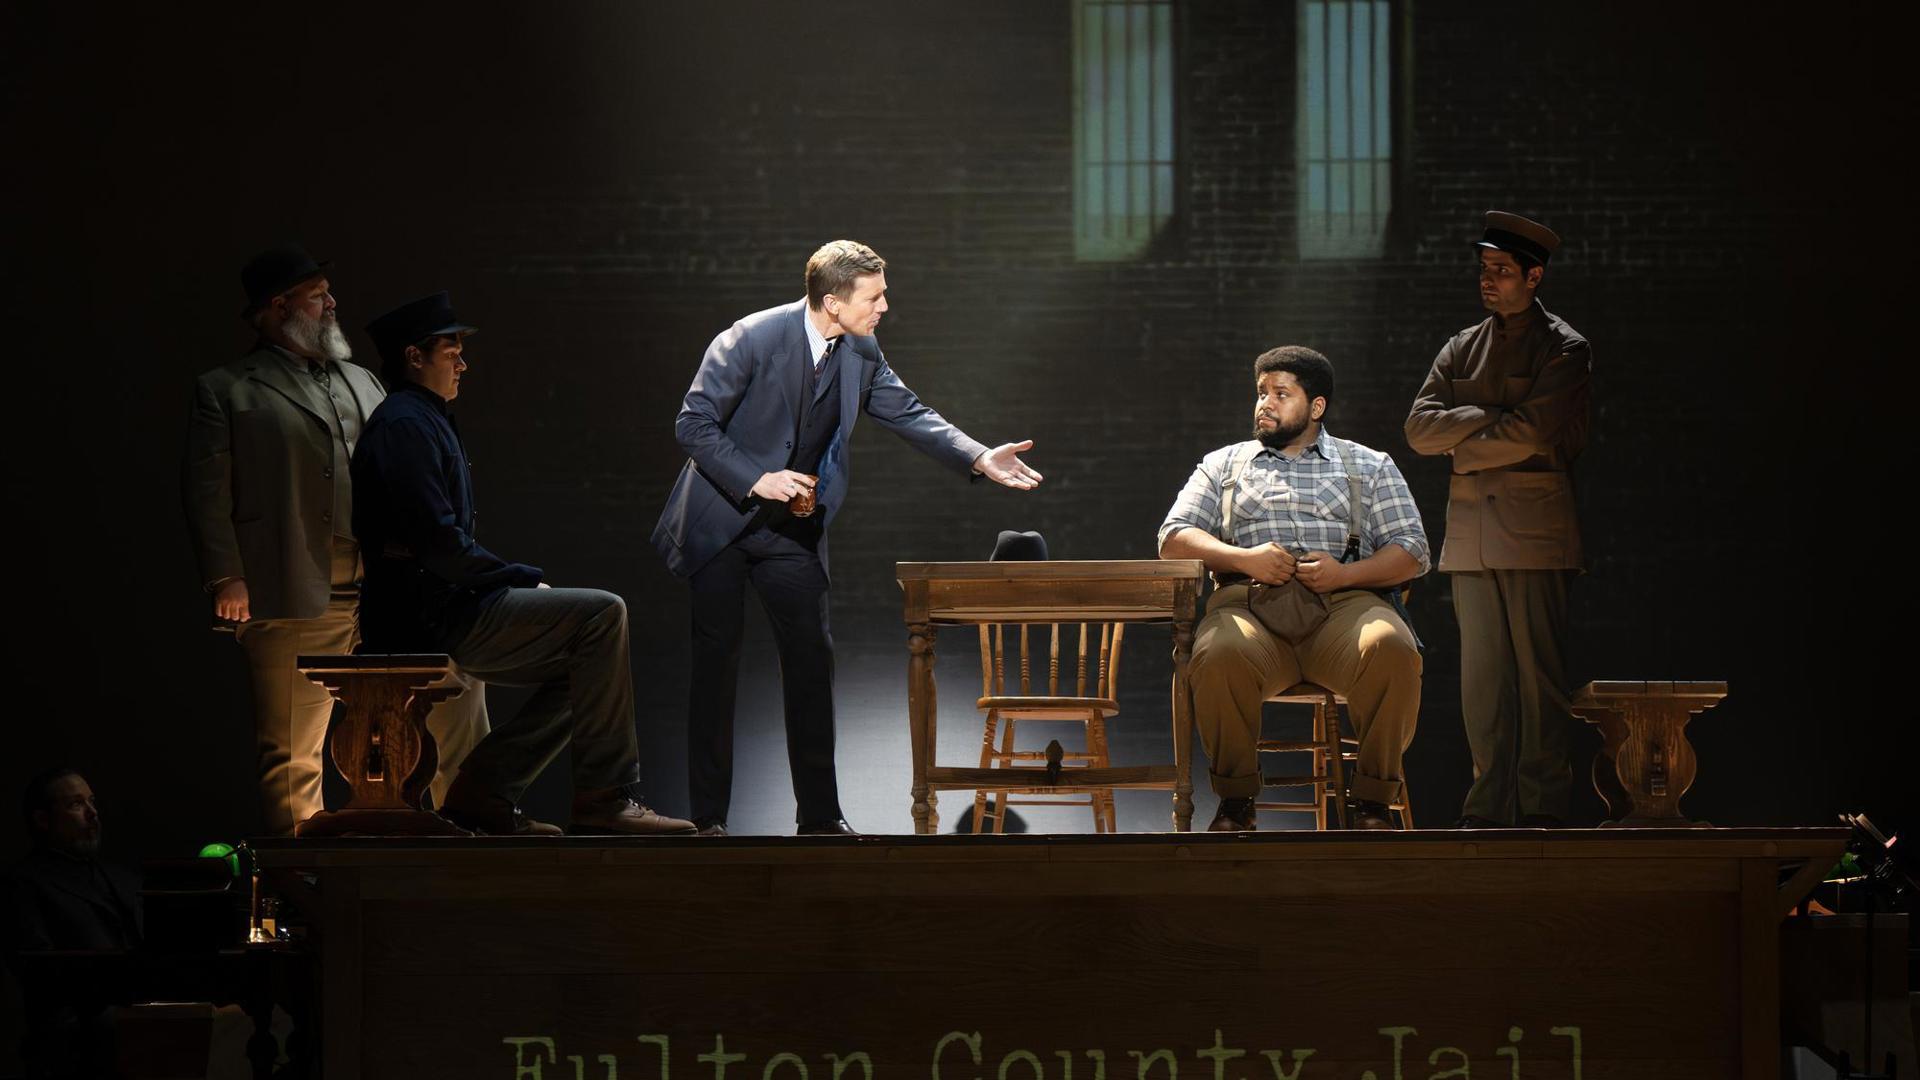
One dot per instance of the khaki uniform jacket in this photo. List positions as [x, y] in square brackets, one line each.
[1510, 400]
[258, 484]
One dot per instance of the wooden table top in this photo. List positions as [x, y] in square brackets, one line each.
[1127, 590]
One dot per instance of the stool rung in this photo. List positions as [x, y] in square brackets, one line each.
[1287, 807]
[1296, 781]
[1288, 747]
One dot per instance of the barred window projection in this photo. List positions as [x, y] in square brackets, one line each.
[1345, 134]
[1123, 126]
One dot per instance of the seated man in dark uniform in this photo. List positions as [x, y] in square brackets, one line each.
[62, 898]
[431, 587]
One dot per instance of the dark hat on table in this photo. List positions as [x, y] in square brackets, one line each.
[412, 323]
[1019, 547]
[1516, 235]
[274, 271]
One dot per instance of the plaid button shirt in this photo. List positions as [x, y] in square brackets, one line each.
[1301, 502]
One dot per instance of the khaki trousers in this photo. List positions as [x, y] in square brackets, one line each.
[1362, 652]
[291, 711]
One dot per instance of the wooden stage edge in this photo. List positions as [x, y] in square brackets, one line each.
[1545, 953]
[1652, 842]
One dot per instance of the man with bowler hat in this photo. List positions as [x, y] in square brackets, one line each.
[1507, 401]
[765, 427]
[269, 502]
[431, 587]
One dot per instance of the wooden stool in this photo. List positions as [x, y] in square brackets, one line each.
[1005, 711]
[1327, 774]
[1645, 762]
[381, 744]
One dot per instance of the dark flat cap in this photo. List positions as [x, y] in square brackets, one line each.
[414, 322]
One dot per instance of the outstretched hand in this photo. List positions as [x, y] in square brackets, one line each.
[1002, 465]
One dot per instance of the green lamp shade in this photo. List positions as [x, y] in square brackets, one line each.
[223, 851]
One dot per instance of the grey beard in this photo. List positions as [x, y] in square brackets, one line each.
[321, 335]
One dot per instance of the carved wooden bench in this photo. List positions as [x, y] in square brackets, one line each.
[1645, 762]
[381, 744]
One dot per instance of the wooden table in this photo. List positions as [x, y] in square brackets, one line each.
[972, 593]
[1645, 762]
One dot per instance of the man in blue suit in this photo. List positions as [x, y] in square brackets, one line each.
[766, 420]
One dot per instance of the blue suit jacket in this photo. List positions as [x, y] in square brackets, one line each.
[739, 418]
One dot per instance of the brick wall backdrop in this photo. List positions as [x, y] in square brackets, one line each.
[606, 186]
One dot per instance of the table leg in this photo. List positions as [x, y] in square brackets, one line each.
[933, 733]
[1606, 775]
[302, 990]
[262, 1050]
[1182, 727]
[920, 707]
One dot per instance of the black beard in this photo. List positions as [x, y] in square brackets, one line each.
[1280, 436]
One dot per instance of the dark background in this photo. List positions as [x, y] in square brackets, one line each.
[606, 186]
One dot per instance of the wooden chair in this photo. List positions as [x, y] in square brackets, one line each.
[1096, 663]
[1330, 754]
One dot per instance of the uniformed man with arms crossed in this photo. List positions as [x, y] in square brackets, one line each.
[1507, 402]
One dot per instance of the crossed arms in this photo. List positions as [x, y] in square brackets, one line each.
[1481, 437]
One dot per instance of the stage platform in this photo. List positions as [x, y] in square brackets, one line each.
[1585, 954]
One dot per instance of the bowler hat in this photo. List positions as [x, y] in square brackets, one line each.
[1019, 547]
[1514, 234]
[414, 322]
[274, 271]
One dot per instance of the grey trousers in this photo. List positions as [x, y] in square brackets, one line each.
[291, 711]
[571, 646]
[1514, 695]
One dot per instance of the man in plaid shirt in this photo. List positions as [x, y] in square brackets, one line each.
[1291, 519]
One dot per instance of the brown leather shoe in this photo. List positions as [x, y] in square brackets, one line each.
[611, 811]
[1234, 815]
[472, 807]
[713, 828]
[1364, 814]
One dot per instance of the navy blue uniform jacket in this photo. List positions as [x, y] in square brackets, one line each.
[739, 418]
[427, 577]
